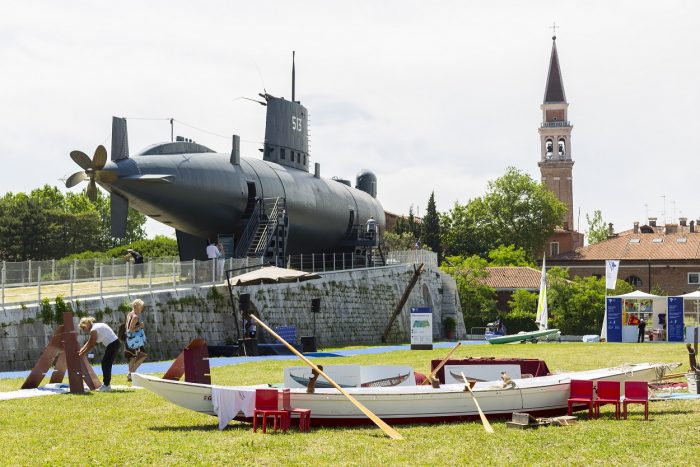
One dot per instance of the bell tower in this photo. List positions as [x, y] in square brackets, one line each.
[555, 140]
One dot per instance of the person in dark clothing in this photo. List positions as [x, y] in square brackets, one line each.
[642, 326]
[138, 261]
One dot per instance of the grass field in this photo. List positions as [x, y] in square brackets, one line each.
[138, 427]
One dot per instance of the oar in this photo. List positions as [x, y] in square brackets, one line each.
[440, 365]
[484, 420]
[389, 431]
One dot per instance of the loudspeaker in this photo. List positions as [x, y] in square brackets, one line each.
[315, 305]
[244, 302]
[308, 344]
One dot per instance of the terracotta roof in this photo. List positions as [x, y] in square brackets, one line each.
[511, 277]
[554, 92]
[627, 245]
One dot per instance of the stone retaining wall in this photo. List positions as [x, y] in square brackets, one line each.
[355, 309]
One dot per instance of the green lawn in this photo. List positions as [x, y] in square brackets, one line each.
[137, 427]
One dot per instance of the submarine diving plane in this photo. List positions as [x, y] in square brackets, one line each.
[271, 207]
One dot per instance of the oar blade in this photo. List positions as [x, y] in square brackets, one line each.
[484, 420]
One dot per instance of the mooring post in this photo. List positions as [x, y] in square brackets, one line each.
[2, 279]
[150, 274]
[53, 270]
[313, 262]
[38, 284]
[174, 278]
[126, 276]
[101, 274]
[213, 271]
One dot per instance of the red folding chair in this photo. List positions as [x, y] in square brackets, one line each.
[608, 392]
[304, 414]
[636, 392]
[267, 405]
[581, 392]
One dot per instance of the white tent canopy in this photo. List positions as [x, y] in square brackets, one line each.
[692, 295]
[636, 295]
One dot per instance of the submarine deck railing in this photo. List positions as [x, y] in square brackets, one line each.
[29, 282]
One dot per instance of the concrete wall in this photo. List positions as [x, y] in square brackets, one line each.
[355, 309]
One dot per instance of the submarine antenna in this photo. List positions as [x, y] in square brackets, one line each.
[293, 78]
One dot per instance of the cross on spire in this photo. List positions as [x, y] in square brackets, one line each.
[554, 30]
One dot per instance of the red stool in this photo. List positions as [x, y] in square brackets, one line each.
[304, 414]
[608, 393]
[636, 392]
[267, 405]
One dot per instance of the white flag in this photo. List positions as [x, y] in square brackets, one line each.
[611, 268]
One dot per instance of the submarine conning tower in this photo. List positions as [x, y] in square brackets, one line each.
[286, 133]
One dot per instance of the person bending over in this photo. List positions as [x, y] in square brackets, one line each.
[100, 333]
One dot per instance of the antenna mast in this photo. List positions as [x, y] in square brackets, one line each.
[293, 77]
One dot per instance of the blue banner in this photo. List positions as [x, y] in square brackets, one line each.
[674, 319]
[614, 321]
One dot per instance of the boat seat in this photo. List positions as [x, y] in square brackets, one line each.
[636, 392]
[608, 392]
[581, 392]
[304, 414]
[267, 405]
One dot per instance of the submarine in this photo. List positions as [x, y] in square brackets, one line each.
[271, 207]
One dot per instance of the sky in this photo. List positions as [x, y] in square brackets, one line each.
[430, 96]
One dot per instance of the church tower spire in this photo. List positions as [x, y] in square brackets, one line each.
[555, 140]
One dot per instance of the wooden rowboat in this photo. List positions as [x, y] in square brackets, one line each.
[539, 396]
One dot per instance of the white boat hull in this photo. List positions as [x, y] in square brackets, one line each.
[544, 395]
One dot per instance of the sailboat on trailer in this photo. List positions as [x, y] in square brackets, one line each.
[540, 320]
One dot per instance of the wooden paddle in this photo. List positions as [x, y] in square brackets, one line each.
[484, 420]
[389, 431]
[432, 374]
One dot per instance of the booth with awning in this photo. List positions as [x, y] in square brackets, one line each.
[666, 318]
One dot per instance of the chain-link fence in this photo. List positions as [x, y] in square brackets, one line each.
[31, 281]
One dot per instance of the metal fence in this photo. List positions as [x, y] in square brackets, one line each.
[31, 281]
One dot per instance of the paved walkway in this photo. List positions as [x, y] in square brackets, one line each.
[162, 367]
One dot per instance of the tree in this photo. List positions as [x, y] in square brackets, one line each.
[47, 224]
[396, 242]
[516, 210]
[597, 230]
[431, 228]
[577, 306]
[510, 256]
[459, 235]
[478, 300]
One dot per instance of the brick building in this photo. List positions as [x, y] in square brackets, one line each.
[651, 257]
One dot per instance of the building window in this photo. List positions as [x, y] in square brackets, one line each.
[304, 159]
[553, 248]
[634, 281]
[694, 278]
[282, 156]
